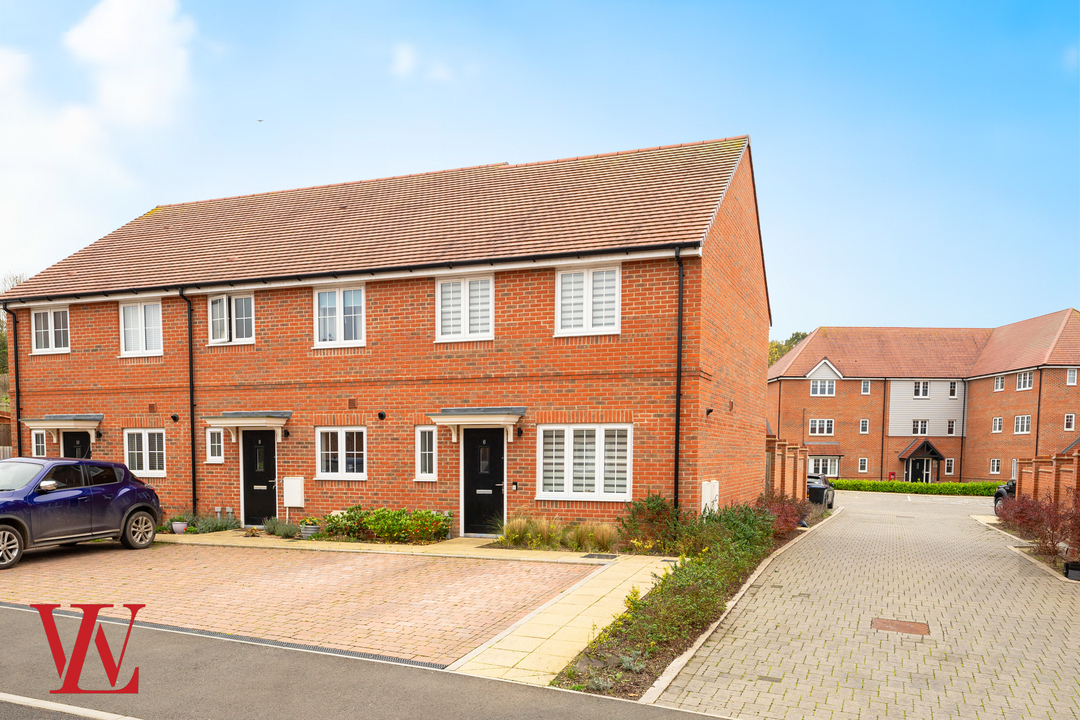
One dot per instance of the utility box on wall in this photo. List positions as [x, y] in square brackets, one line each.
[293, 492]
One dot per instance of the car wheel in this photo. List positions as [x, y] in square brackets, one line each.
[11, 546]
[139, 532]
[831, 499]
[998, 504]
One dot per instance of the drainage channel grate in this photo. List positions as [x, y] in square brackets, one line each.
[912, 628]
[247, 639]
[600, 556]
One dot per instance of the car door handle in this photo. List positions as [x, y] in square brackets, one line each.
[84, 499]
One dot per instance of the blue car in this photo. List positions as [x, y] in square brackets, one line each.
[47, 501]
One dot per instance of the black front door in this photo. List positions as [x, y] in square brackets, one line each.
[76, 444]
[260, 476]
[917, 469]
[483, 473]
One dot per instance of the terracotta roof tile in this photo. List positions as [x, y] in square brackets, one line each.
[1066, 350]
[1021, 344]
[622, 200]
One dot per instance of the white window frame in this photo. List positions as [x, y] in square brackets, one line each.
[832, 465]
[864, 465]
[587, 317]
[141, 350]
[954, 390]
[1015, 463]
[1070, 376]
[920, 428]
[339, 317]
[949, 466]
[950, 427]
[1070, 422]
[822, 388]
[434, 474]
[997, 424]
[865, 387]
[230, 319]
[924, 387]
[464, 335]
[35, 436]
[864, 426]
[821, 426]
[340, 474]
[1021, 425]
[598, 493]
[145, 452]
[51, 348]
[210, 457]
[995, 466]
[999, 383]
[1025, 380]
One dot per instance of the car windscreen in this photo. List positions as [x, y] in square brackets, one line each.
[14, 475]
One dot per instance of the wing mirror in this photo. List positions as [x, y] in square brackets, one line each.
[48, 486]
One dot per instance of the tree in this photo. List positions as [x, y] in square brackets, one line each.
[778, 349]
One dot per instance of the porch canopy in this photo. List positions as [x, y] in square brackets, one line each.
[921, 449]
[235, 421]
[504, 417]
[54, 424]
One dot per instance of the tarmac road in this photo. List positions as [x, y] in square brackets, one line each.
[188, 677]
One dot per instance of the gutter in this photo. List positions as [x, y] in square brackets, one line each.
[678, 374]
[191, 403]
[677, 246]
[15, 367]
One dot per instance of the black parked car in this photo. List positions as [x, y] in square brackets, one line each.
[54, 501]
[819, 490]
[1008, 490]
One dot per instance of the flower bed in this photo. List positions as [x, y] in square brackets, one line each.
[386, 525]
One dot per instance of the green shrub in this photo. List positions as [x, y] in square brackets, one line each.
[387, 524]
[896, 486]
[427, 526]
[349, 523]
[212, 523]
[274, 526]
[516, 531]
[652, 523]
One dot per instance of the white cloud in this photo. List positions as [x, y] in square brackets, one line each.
[62, 163]
[405, 60]
[441, 73]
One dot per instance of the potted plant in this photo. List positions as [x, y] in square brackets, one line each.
[179, 525]
[310, 526]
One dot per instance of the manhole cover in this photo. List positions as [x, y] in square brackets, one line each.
[912, 628]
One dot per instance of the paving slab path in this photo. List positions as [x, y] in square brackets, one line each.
[1003, 640]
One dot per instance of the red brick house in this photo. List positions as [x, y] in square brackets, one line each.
[930, 403]
[485, 341]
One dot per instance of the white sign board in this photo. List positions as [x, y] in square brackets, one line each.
[294, 492]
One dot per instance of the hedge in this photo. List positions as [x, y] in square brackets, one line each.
[918, 488]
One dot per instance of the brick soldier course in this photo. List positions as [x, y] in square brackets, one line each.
[801, 642]
[508, 233]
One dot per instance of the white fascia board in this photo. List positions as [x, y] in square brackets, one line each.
[825, 361]
[1012, 372]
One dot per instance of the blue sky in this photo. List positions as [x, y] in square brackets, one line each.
[916, 163]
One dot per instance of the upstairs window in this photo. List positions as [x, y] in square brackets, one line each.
[1022, 425]
[464, 309]
[999, 383]
[996, 426]
[865, 387]
[1070, 421]
[588, 302]
[821, 427]
[1070, 376]
[232, 319]
[952, 389]
[951, 428]
[922, 388]
[1024, 380]
[339, 317]
[864, 426]
[140, 328]
[918, 427]
[49, 329]
[822, 388]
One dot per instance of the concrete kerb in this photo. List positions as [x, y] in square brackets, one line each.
[653, 693]
[1019, 549]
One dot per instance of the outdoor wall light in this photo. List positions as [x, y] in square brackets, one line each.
[382, 415]
[708, 412]
[97, 434]
[175, 417]
[520, 433]
[284, 433]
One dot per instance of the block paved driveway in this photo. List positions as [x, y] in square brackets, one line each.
[427, 609]
[1004, 636]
